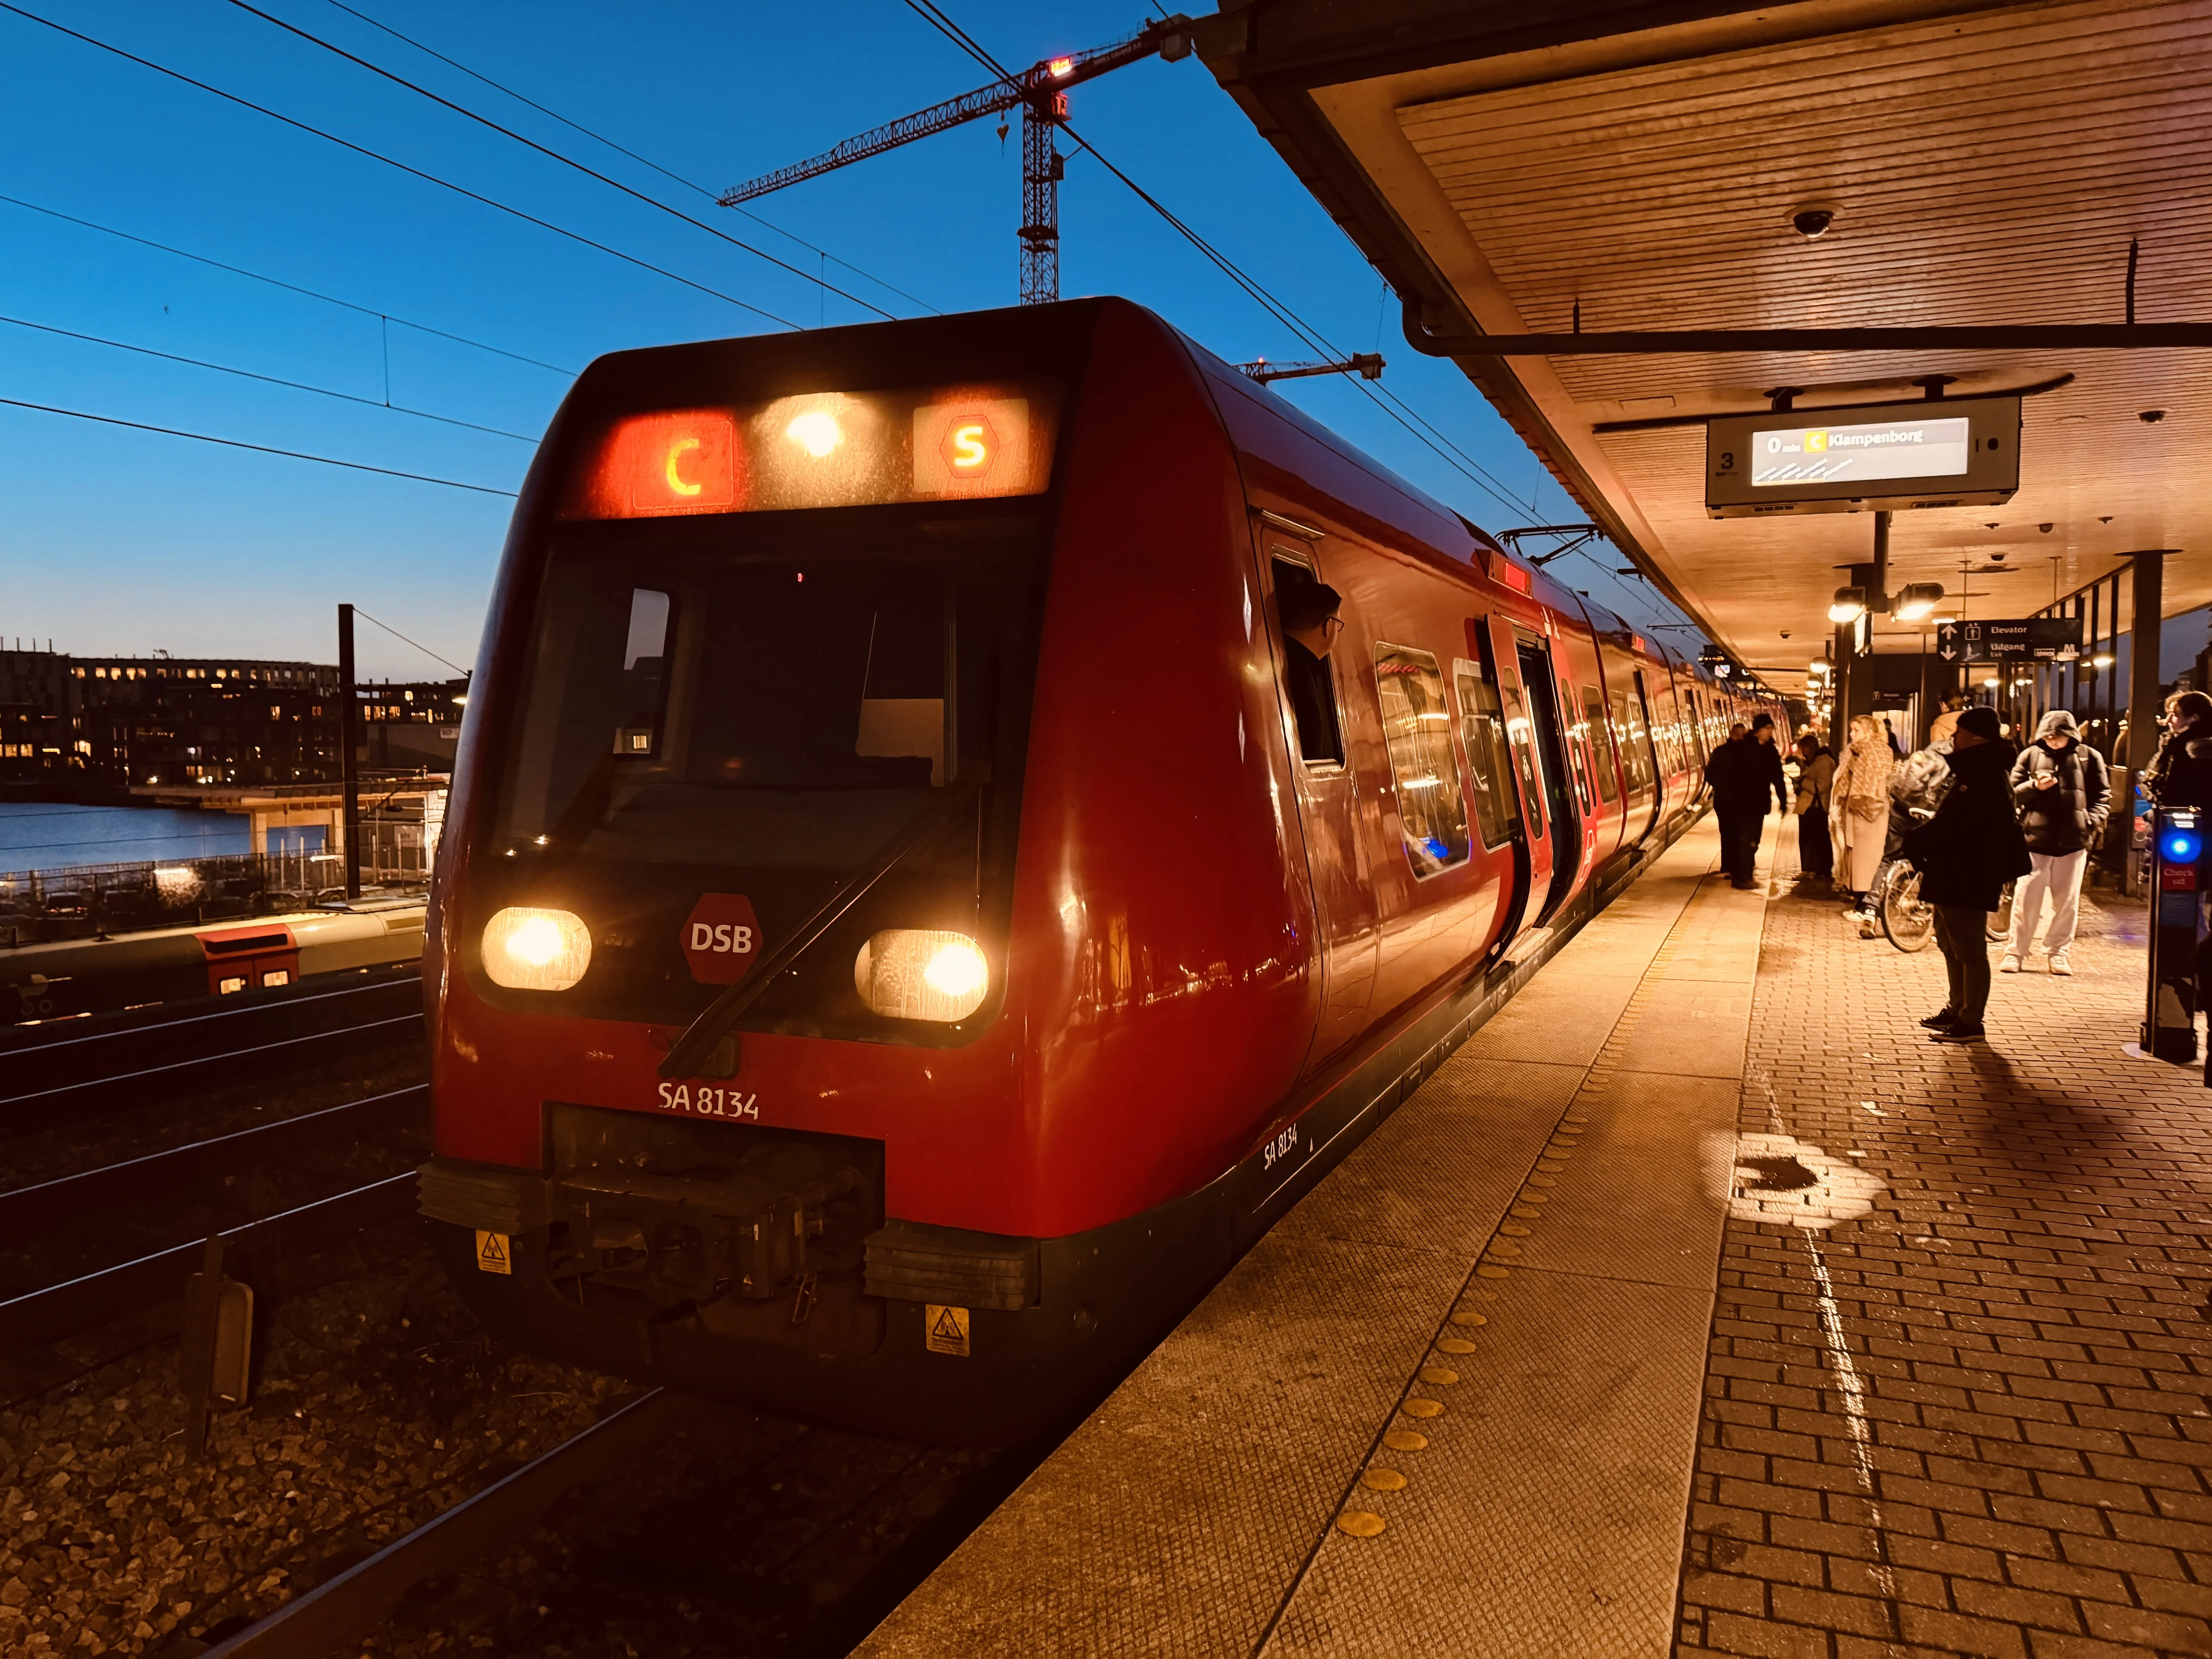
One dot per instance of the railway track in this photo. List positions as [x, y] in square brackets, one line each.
[339, 1613]
[82, 1303]
[57, 1078]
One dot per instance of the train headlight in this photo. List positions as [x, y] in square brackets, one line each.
[917, 973]
[531, 950]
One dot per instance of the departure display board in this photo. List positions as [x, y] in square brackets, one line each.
[1950, 452]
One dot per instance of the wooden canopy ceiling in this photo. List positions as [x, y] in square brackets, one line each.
[1507, 168]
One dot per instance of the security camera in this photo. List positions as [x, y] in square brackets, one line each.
[1812, 222]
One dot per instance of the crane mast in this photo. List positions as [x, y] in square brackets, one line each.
[1041, 93]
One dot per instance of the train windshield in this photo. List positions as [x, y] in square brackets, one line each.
[718, 708]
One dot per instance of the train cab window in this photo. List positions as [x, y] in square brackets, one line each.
[1306, 609]
[1482, 732]
[1417, 727]
[810, 689]
[1601, 747]
[644, 677]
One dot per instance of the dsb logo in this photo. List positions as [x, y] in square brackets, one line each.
[720, 939]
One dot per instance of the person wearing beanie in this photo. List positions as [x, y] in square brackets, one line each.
[2063, 791]
[1966, 853]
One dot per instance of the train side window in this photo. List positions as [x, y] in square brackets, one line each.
[1306, 606]
[1600, 746]
[644, 676]
[1417, 727]
[1580, 740]
[1635, 755]
[1482, 731]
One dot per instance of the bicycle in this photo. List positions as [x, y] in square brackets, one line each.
[1909, 920]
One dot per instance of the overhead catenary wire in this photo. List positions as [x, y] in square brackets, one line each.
[551, 154]
[265, 380]
[278, 281]
[645, 161]
[263, 449]
[403, 639]
[1387, 402]
[413, 172]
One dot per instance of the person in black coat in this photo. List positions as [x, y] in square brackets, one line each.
[2061, 790]
[1741, 772]
[2181, 773]
[1966, 853]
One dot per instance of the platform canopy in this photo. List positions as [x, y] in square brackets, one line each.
[1542, 166]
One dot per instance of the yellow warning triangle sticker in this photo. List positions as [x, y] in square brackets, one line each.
[945, 1329]
[492, 1252]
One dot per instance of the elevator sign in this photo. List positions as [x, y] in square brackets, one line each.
[1940, 452]
[2019, 638]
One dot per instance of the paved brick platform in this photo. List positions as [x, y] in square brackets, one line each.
[1959, 1405]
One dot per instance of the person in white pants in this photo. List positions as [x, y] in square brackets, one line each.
[2063, 791]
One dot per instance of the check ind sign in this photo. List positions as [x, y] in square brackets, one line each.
[2022, 638]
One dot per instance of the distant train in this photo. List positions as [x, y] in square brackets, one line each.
[68, 977]
[960, 823]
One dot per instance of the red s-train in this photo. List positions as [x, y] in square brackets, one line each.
[911, 916]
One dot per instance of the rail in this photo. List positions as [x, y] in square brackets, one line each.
[334, 1616]
[144, 1063]
[29, 1211]
[42, 1316]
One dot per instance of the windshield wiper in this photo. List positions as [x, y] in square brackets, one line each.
[718, 1019]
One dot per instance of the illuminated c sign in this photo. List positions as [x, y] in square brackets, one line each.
[676, 483]
[680, 461]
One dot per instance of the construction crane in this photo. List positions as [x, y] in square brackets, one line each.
[1041, 93]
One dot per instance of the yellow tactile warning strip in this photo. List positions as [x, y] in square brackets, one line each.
[1397, 1427]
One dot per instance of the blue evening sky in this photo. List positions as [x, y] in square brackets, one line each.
[115, 540]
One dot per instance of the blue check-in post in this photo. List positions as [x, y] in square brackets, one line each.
[2176, 934]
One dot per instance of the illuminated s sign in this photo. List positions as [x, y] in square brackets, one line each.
[980, 446]
[970, 446]
[822, 449]
[685, 461]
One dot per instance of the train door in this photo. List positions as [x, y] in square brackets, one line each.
[1546, 741]
[1508, 803]
[1647, 769]
[1327, 792]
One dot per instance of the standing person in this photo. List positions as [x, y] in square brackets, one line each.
[1858, 819]
[1966, 853]
[1765, 768]
[1728, 774]
[2060, 787]
[1816, 776]
[2181, 773]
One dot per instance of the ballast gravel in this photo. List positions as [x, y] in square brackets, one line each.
[377, 1403]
